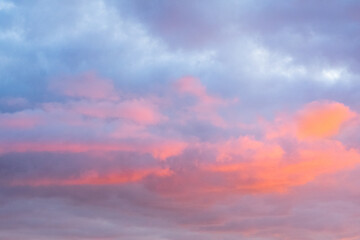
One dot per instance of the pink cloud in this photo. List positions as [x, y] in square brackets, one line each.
[242, 164]
[158, 148]
[169, 148]
[87, 85]
[95, 178]
[20, 120]
[207, 106]
[266, 164]
[245, 146]
[132, 130]
[61, 146]
[267, 158]
[193, 86]
[137, 110]
[263, 168]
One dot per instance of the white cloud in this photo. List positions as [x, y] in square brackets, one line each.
[332, 75]
[270, 63]
[4, 6]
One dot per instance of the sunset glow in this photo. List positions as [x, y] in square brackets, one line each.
[179, 120]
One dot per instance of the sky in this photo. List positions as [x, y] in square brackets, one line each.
[179, 120]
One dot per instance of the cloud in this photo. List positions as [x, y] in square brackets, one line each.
[19, 120]
[322, 119]
[179, 120]
[138, 141]
[94, 178]
[87, 85]
[140, 110]
[206, 107]
[193, 86]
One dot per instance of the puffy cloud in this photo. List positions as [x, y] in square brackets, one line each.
[316, 120]
[322, 119]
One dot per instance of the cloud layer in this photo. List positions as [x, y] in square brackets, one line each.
[179, 120]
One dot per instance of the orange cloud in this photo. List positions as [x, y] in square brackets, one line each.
[322, 119]
[288, 170]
